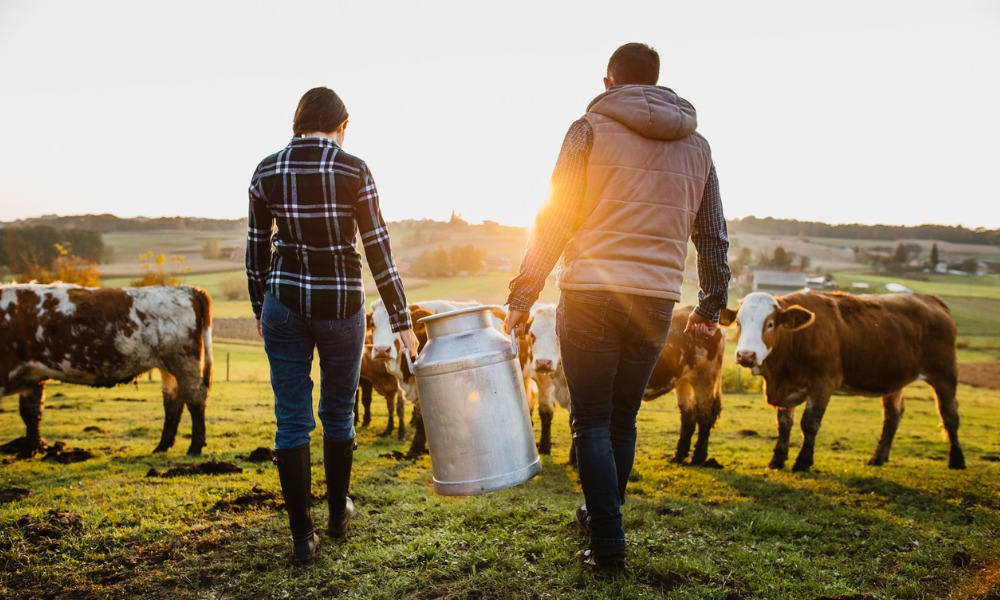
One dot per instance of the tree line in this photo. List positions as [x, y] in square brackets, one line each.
[106, 223]
[889, 233]
[24, 249]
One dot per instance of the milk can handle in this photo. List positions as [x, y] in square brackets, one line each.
[406, 357]
[513, 341]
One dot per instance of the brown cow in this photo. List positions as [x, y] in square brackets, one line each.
[375, 376]
[689, 366]
[104, 337]
[692, 367]
[809, 344]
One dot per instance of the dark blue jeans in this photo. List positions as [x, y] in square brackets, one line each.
[610, 343]
[289, 342]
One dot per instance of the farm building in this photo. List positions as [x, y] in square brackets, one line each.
[773, 282]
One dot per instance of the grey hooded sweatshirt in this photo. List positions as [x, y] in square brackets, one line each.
[645, 179]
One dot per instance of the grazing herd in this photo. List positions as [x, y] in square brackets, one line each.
[806, 345]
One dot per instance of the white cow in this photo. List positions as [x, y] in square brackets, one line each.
[387, 347]
[546, 369]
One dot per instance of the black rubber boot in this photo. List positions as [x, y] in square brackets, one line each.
[338, 457]
[295, 475]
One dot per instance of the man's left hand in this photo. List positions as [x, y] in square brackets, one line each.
[515, 318]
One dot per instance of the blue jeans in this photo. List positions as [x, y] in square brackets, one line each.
[289, 342]
[610, 343]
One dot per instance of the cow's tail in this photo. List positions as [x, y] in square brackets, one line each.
[203, 309]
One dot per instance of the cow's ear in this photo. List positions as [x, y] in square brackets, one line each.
[795, 318]
[727, 317]
[420, 329]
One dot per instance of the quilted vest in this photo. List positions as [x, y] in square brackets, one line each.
[645, 178]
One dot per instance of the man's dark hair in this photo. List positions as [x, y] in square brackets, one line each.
[634, 63]
[320, 109]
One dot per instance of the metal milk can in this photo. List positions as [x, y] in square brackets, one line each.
[473, 404]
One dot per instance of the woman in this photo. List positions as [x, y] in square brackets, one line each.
[304, 273]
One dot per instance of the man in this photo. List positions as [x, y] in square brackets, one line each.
[633, 182]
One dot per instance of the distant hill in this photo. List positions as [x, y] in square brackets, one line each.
[107, 223]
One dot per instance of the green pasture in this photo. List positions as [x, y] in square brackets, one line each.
[128, 245]
[959, 286]
[844, 530]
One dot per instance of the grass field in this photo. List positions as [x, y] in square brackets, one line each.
[103, 528]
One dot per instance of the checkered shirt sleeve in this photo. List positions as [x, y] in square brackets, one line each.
[711, 241]
[556, 221]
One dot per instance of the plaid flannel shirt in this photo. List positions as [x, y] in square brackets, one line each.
[554, 227]
[307, 204]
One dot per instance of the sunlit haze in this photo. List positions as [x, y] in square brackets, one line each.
[845, 112]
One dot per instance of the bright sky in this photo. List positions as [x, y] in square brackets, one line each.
[848, 111]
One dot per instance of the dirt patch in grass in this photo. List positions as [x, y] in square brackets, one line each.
[52, 527]
[212, 467]
[260, 455]
[12, 494]
[255, 498]
[63, 454]
[980, 374]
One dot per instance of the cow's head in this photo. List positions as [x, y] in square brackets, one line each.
[383, 339]
[761, 322]
[544, 342]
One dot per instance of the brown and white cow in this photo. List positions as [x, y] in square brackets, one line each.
[387, 347]
[376, 377]
[543, 365]
[691, 367]
[809, 344]
[102, 338]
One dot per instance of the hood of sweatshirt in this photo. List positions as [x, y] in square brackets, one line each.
[650, 110]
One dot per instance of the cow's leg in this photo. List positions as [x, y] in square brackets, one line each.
[196, 408]
[812, 416]
[892, 413]
[401, 415]
[572, 443]
[689, 419]
[546, 409]
[786, 417]
[419, 443]
[31, 403]
[173, 406]
[366, 402]
[390, 406]
[944, 389]
[194, 394]
[709, 402]
[357, 402]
